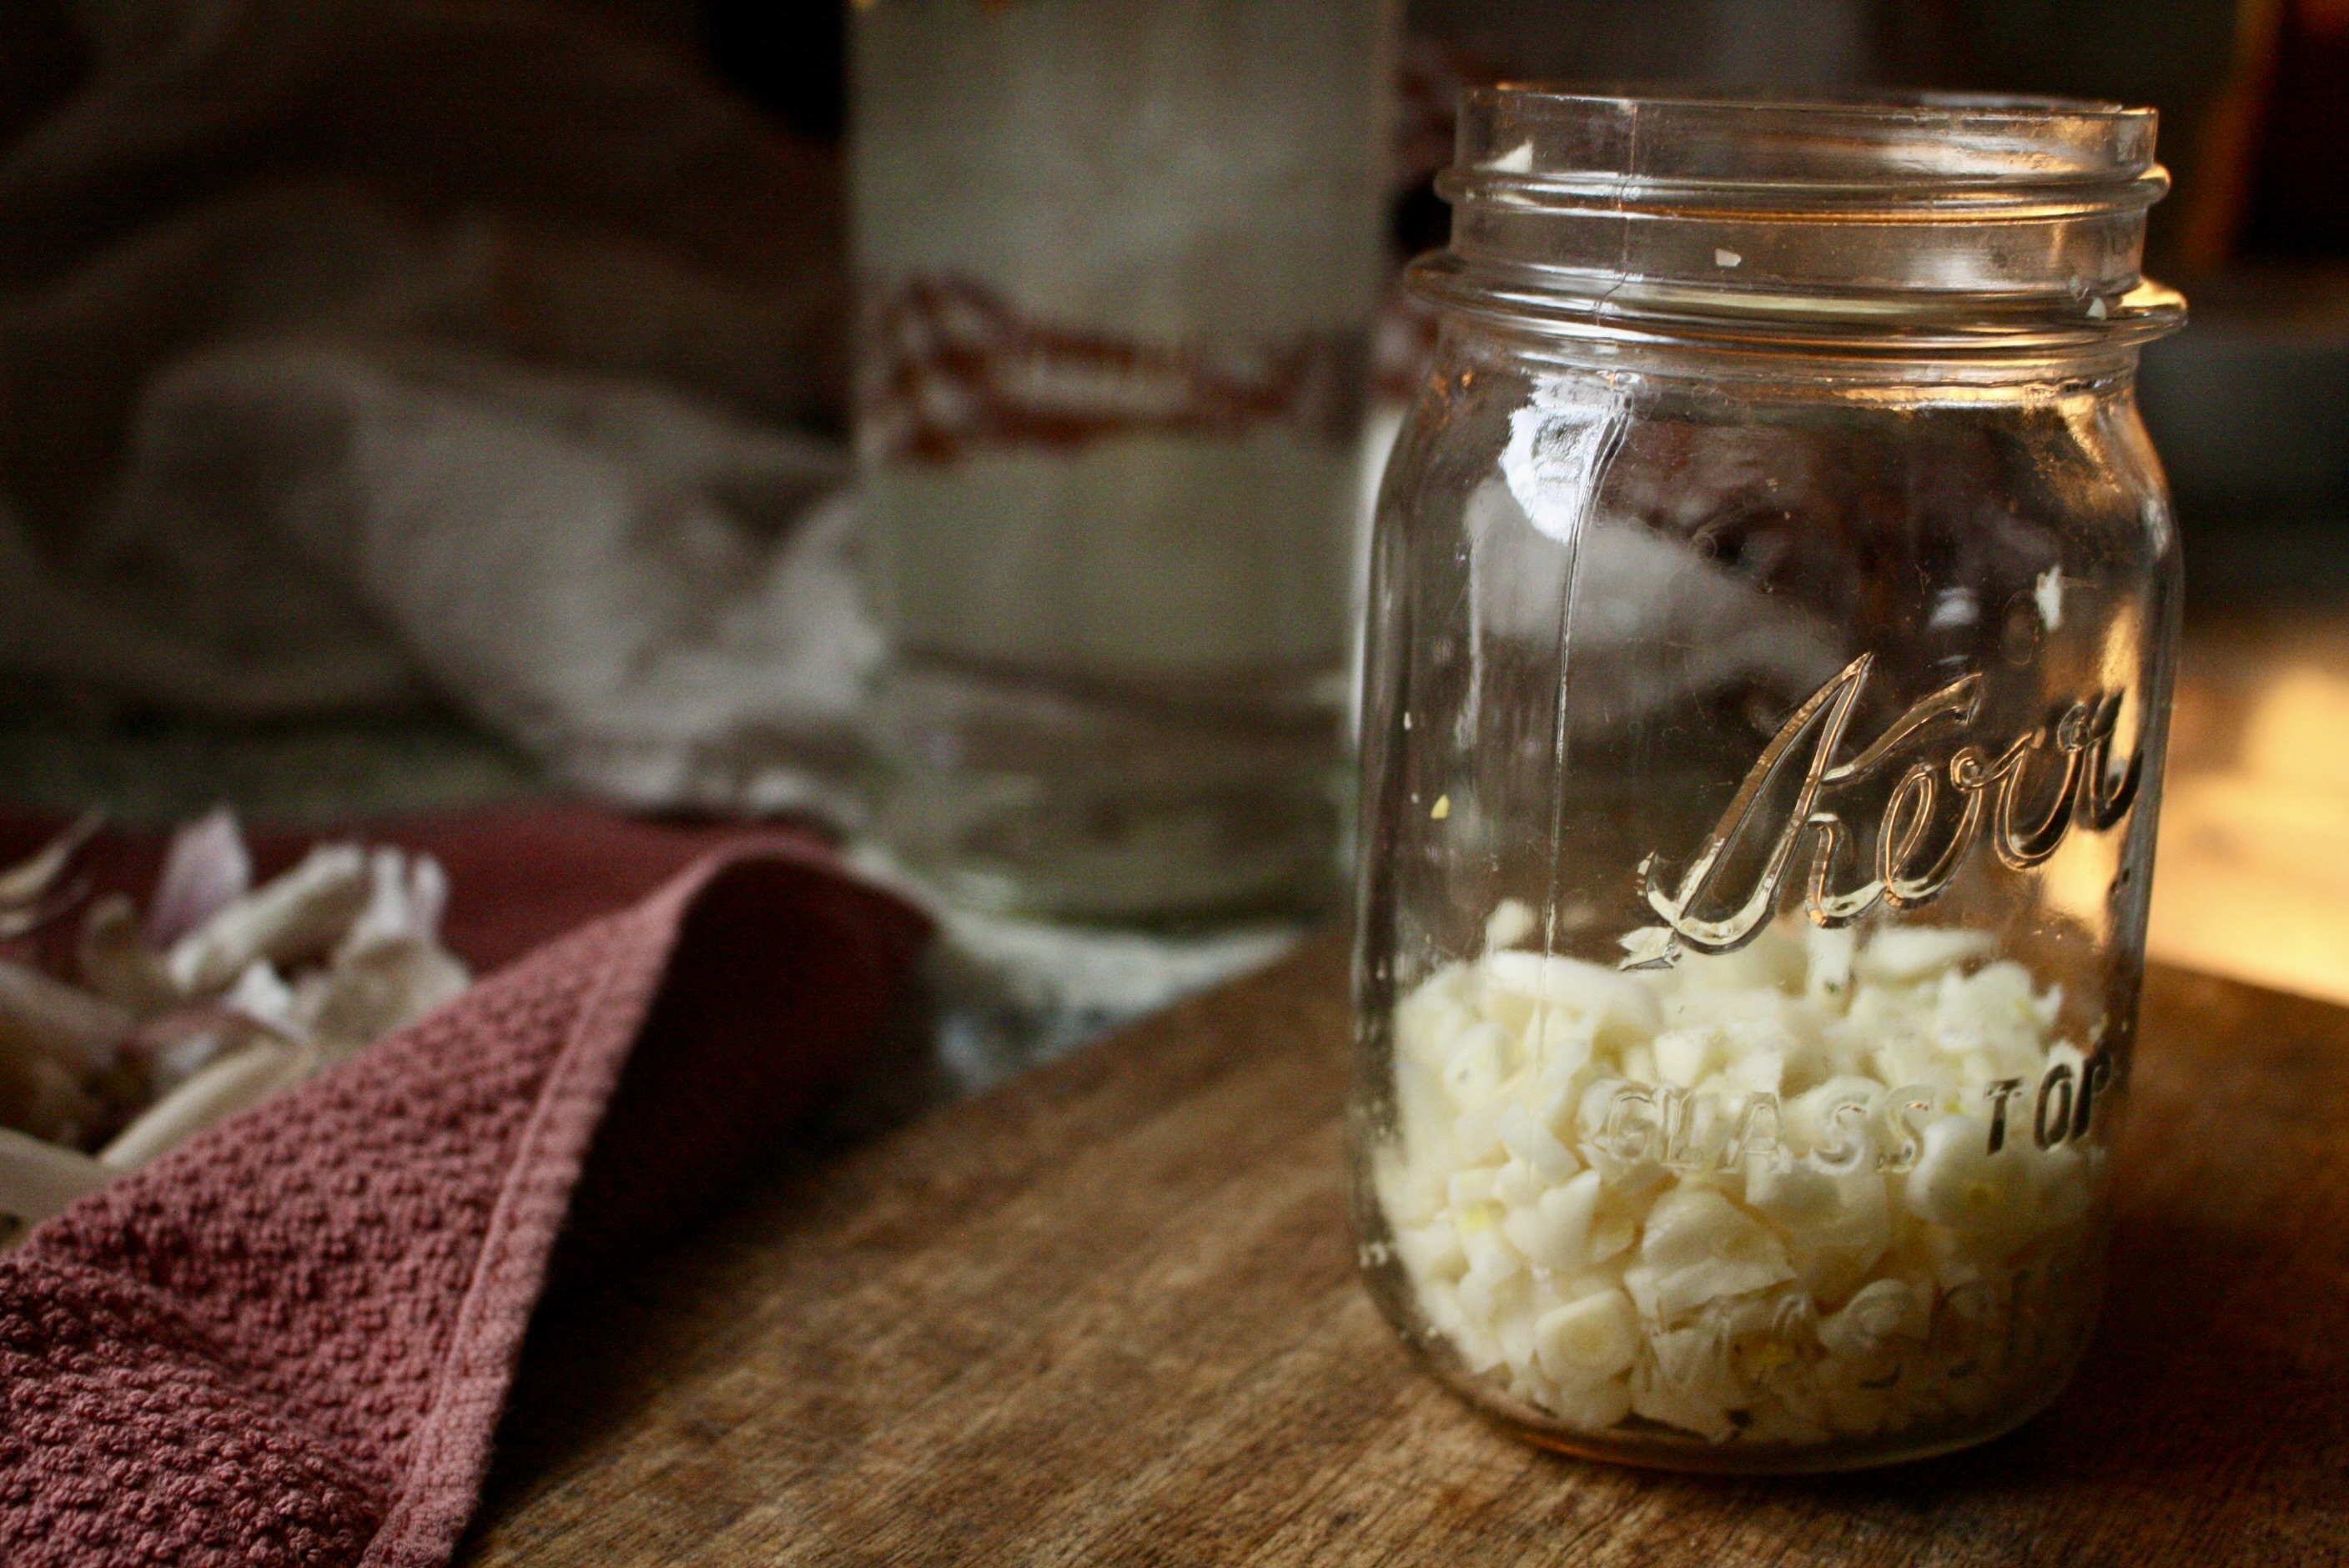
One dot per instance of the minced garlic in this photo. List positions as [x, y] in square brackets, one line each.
[1812, 1191]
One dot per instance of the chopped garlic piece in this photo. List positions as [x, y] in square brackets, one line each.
[1910, 953]
[1596, 1337]
[1510, 924]
[1813, 1190]
[1701, 1248]
[1958, 1183]
[1874, 1313]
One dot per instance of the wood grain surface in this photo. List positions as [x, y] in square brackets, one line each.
[1108, 1316]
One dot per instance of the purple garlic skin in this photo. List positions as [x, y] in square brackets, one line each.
[206, 869]
[224, 996]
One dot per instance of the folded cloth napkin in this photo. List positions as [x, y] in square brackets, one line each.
[335, 368]
[289, 1341]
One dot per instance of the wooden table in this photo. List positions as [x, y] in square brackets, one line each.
[1108, 1316]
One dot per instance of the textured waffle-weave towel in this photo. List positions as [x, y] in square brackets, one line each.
[289, 1341]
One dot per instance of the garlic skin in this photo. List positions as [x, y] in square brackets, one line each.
[224, 996]
[1822, 1189]
[206, 868]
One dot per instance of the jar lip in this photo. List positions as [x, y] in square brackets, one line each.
[1528, 142]
[1886, 103]
[1902, 214]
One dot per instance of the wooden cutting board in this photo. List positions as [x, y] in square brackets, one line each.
[1108, 1316]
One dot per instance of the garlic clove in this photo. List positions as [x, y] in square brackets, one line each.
[174, 1047]
[41, 1098]
[1517, 1185]
[406, 898]
[1491, 1258]
[1592, 1407]
[1431, 1252]
[81, 1033]
[1658, 1399]
[38, 1179]
[380, 989]
[236, 1082]
[32, 882]
[1683, 1057]
[116, 963]
[301, 914]
[261, 997]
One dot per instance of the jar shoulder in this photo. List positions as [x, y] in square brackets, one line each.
[1801, 491]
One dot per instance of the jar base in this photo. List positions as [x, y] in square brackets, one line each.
[1693, 1455]
[1027, 799]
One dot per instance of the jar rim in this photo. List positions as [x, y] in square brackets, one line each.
[1789, 153]
[1878, 102]
[2003, 213]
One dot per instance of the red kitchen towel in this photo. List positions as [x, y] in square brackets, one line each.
[288, 1342]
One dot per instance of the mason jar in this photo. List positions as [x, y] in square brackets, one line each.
[1771, 619]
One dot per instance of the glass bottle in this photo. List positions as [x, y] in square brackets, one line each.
[1772, 617]
[1116, 264]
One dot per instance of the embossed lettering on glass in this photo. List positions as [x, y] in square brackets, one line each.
[1772, 616]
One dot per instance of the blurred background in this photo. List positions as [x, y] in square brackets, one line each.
[407, 404]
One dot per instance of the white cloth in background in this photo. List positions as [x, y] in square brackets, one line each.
[652, 596]
[356, 349]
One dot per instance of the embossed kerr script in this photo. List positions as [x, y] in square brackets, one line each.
[2024, 799]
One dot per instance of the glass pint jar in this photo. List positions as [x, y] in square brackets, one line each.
[1772, 617]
